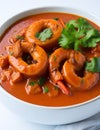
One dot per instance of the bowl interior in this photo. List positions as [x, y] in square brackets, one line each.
[60, 9]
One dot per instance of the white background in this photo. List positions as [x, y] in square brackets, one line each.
[8, 8]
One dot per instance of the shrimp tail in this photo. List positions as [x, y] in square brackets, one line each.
[64, 88]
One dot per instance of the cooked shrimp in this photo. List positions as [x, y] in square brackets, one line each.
[78, 83]
[40, 25]
[60, 55]
[39, 64]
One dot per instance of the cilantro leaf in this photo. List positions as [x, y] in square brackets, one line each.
[18, 37]
[45, 89]
[11, 53]
[44, 35]
[76, 45]
[41, 81]
[79, 33]
[37, 35]
[94, 65]
[64, 42]
[56, 18]
[73, 22]
[32, 83]
[67, 37]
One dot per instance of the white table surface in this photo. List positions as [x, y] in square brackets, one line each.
[8, 8]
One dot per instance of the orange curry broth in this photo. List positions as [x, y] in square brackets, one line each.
[18, 89]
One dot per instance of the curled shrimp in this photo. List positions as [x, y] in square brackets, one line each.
[74, 60]
[79, 83]
[39, 60]
[38, 26]
[60, 55]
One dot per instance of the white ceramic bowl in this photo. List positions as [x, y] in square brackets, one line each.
[43, 114]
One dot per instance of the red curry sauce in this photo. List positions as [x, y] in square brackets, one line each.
[18, 89]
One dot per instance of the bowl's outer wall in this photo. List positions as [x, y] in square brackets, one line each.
[49, 115]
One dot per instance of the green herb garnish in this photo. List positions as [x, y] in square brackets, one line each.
[79, 33]
[32, 83]
[94, 65]
[54, 57]
[56, 18]
[11, 53]
[48, 54]
[41, 81]
[18, 37]
[82, 81]
[45, 89]
[55, 87]
[44, 35]
[37, 35]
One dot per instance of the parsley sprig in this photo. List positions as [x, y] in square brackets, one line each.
[79, 33]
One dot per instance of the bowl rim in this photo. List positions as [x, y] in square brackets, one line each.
[44, 8]
[71, 10]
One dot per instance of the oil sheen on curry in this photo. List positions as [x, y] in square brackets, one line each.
[51, 59]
